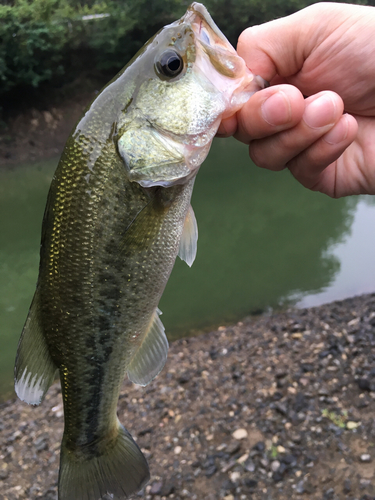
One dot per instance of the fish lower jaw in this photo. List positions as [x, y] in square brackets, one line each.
[193, 150]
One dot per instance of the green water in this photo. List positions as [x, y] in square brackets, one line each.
[263, 241]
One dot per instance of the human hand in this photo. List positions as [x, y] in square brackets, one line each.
[325, 52]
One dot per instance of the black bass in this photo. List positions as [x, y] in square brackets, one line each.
[118, 213]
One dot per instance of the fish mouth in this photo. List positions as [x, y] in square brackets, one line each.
[213, 43]
[198, 17]
[219, 62]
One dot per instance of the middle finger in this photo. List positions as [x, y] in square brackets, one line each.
[322, 112]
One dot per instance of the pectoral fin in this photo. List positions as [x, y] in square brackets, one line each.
[34, 371]
[189, 238]
[150, 357]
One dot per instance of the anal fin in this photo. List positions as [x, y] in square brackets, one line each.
[189, 238]
[150, 357]
[34, 370]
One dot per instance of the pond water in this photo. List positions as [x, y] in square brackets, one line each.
[264, 242]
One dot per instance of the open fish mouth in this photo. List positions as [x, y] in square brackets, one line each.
[219, 61]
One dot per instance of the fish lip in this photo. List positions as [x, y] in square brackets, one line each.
[198, 12]
[212, 43]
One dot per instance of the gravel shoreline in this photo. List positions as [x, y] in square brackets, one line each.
[276, 407]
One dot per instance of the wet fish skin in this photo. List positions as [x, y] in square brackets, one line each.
[117, 213]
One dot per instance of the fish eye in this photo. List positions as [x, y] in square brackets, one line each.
[170, 64]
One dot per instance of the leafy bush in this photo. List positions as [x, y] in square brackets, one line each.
[45, 40]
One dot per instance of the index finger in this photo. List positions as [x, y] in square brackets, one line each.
[267, 112]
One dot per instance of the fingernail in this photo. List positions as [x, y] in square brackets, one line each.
[320, 112]
[338, 133]
[276, 109]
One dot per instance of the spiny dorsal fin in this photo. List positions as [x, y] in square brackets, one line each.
[34, 371]
[150, 357]
[189, 238]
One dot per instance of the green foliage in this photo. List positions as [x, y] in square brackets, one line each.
[44, 40]
[28, 39]
[54, 40]
[336, 419]
[273, 452]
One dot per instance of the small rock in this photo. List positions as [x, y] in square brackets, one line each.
[347, 486]
[277, 477]
[167, 490]
[364, 384]
[243, 458]
[48, 117]
[260, 446]
[352, 425]
[240, 434]
[184, 378]
[143, 432]
[228, 485]
[300, 488]
[3, 474]
[235, 476]
[233, 448]
[210, 471]
[177, 450]
[289, 460]
[249, 465]
[156, 488]
[275, 465]
[365, 457]
[41, 443]
[251, 483]
[307, 367]
[297, 335]
[328, 494]
[281, 408]
[229, 466]
[364, 483]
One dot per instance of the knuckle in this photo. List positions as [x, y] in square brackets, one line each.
[243, 38]
[259, 156]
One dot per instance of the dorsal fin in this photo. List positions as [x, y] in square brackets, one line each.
[34, 371]
[150, 357]
[189, 238]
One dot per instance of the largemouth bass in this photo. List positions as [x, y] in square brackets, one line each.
[118, 213]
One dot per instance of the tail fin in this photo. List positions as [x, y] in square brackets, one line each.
[121, 471]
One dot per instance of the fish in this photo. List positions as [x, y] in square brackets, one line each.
[117, 215]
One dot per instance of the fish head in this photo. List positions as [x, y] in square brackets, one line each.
[188, 78]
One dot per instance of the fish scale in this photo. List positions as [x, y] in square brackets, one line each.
[106, 286]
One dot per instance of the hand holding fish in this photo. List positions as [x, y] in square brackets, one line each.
[324, 52]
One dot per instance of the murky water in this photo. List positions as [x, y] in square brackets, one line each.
[264, 241]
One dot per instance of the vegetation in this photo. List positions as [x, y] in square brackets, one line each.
[55, 40]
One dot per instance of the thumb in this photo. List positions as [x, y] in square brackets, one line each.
[275, 48]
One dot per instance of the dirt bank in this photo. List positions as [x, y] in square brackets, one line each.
[34, 128]
[273, 408]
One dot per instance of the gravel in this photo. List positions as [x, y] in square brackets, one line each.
[277, 407]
